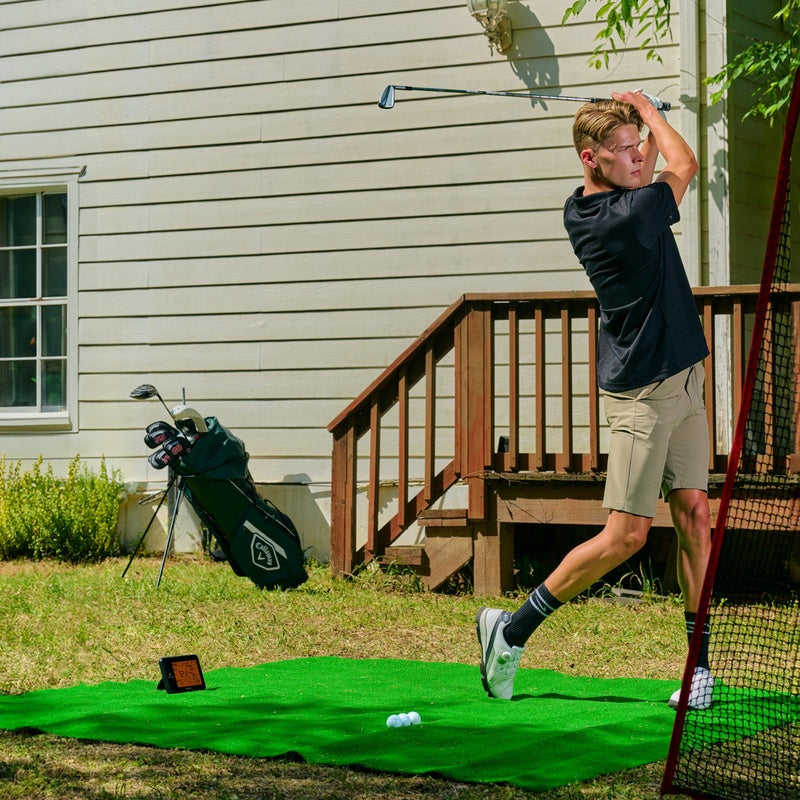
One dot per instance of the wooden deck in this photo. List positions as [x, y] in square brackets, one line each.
[493, 376]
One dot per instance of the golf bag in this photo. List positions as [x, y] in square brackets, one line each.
[259, 541]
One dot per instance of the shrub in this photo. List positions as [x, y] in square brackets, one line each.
[69, 519]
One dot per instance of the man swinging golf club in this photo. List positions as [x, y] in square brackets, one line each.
[650, 349]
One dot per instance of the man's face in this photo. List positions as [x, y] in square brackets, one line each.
[617, 162]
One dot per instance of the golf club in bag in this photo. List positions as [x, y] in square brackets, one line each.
[209, 465]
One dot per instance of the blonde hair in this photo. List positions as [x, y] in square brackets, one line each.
[595, 122]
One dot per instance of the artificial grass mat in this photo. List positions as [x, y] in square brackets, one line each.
[558, 728]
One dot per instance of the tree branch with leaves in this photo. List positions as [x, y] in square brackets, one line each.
[770, 65]
[647, 20]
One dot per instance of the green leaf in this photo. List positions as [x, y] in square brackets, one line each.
[626, 8]
[604, 10]
[574, 10]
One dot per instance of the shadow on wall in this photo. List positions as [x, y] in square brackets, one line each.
[532, 54]
[308, 506]
[140, 509]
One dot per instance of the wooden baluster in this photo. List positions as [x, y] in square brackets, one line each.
[512, 457]
[565, 459]
[430, 422]
[710, 384]
[402, 452]
[373, 546]
[540, 456]
[343, 502]
[477, 404]
[739, 356]
[594, 389]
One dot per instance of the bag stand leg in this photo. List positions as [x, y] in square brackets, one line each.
[152, 519]
[171, 529]
[168, 543]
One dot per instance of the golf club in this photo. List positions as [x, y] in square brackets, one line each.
[186, 418]
[145, 391]
[387, 96]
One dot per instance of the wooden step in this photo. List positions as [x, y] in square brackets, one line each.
[443, 518]
[447, 548]
[412, 555]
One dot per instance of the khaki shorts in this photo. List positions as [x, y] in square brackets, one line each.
[659, 442]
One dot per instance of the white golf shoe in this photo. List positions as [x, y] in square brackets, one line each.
[499, 660]
[701, 694]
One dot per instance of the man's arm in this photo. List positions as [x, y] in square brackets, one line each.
[681, 165]
[649, 150]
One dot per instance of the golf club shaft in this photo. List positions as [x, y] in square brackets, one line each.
[387, 98]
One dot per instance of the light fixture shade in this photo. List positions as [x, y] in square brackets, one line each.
[486, 7]
[492, 15]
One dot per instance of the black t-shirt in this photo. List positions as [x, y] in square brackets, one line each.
[649, 325]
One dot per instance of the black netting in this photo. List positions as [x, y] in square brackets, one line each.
[747, 745]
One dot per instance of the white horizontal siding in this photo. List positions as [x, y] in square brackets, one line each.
[322, 236]
[255, 230]
[400, 203]
[378, 296]
[375, 263]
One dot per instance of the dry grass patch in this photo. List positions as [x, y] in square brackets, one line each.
[63, 625]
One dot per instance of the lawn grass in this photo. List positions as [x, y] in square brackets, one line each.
[61, 625]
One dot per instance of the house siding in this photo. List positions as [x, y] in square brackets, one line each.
[255, 231]
[754, 149]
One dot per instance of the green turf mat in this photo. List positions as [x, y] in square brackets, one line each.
[557, 729]
[738, 713]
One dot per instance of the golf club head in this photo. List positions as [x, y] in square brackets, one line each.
[192, 421]
[144, 392]
[387, 98]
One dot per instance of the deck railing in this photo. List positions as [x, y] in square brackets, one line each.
[507, 383]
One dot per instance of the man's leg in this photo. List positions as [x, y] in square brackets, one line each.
[503, 635]
[623, 536]
[692, 521]
[691, 518]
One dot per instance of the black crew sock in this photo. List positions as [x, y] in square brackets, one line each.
[702, 658]
[527, 618]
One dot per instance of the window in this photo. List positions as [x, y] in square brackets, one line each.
[35, 284]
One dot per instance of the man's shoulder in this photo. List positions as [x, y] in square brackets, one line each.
[600, 211]
[656, 191]
[644, 205]
[580, 204]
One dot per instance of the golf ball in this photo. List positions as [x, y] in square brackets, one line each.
[403, 720]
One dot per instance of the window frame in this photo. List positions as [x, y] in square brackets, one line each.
[36, 182]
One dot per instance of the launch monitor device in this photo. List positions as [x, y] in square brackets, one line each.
[181, 674]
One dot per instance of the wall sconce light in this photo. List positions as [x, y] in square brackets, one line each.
[492, 14]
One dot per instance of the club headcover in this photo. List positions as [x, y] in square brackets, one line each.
[170, 451]
[157, 433]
